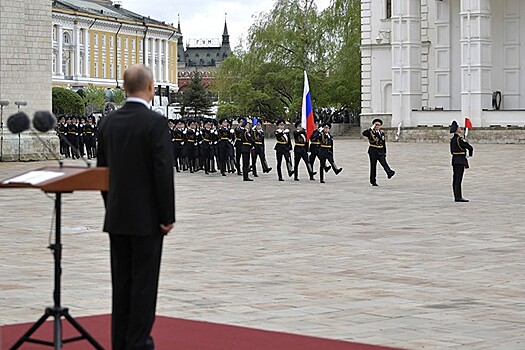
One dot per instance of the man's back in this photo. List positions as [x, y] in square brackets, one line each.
[135, 145]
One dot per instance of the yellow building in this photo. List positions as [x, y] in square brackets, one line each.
[94, 41]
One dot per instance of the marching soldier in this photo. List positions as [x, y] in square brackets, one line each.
[223, 144]
[301, 151]
[326, 152]
[315, 144]
[283, 146]
[246, 149]
[458, 148]
[177, 138]
[207, 146]
[377, 150]
[239, 129]
[259, 150]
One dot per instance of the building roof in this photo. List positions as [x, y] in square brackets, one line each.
[106, 8]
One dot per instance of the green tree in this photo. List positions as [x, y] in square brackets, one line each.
[118, 96]
[196, 97]
[95, 99]
[267, 77]
[65, 101]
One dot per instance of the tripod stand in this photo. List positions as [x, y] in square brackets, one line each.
[57, 311]
[63, 180]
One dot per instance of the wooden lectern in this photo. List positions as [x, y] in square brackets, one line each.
[59, 180]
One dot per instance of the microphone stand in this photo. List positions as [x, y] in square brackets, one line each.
[2, 130]
[63, 138]
[60, 161]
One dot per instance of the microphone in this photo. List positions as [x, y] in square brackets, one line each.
[18, 122]
[44, 121]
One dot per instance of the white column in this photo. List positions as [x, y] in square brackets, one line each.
[159, 60]
[406, 60]
[76, 40]
[85, 33]
[145, 53]
[166, 61]
[476, 63]
[59, 49]
[152, 64]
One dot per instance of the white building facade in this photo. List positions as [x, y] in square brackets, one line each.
[427, 62]
[94, 42]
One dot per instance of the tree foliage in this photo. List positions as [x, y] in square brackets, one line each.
[266, 78]
[66, 101]
[94, 98]
[196, 97]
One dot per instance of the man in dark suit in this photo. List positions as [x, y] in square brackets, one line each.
[140, 209]
[458, 148]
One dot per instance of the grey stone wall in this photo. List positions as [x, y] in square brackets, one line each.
[495, 135]
[25, 69]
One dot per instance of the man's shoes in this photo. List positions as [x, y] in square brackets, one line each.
[290, 173]
[322, 181]
[268, 170]
[248, 179]
[337, 171]
[314, 173]
[392, 173]
[239, 173]
[296, 179]
[281, 179]
[312, 178]
[255, 175]
[461, 200]
[375, 184]
[327, 169]
[223, 174]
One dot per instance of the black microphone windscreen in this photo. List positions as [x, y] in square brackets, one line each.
[44, 121]
[18, 122]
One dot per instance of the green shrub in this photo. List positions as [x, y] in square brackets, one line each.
[66, 102]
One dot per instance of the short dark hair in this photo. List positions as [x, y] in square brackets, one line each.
[137, 78]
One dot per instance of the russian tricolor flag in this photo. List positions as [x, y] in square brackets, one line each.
[307, 115]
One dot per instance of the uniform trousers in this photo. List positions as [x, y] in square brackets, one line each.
[457, 179]
[376, 155]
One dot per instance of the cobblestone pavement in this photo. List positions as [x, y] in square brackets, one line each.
[400, 264]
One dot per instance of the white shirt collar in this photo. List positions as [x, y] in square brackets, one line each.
[139, 100]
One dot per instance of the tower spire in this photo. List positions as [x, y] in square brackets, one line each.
[225, 35]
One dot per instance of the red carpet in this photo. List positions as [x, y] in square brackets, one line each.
[179, 334]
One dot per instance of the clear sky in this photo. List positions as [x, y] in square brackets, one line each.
[205, 18]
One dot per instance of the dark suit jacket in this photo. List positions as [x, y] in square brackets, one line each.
[135, 145]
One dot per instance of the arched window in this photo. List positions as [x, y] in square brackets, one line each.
[67, 38]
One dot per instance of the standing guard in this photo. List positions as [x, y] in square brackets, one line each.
[190, 141]
[283, 147]
[259, 150]
[223, 144]
[177, 137]
[377, 150]
[89, 137]
[326, 152]
[458, 149]
[207, 146]
[301, 151]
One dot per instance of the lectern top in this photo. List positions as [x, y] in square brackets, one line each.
[61, 179]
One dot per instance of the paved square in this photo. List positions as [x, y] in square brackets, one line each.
[400, 264]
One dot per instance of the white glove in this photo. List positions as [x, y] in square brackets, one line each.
[185, 132]
[232, 131]
[286, 131]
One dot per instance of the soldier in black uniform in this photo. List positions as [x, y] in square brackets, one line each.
[61, 133]
[458, 149]
[89, 137]
[223, 144]
[206, 146]
[315, 144]
[72, 137]
[214, 141]
[326, 152]
[246, 149]
[283, 146]
[377, 150]
[190, 139]
[177, 137]
[239, 129]
[81, 125]
[301, 151]
[259, 150]
[231, 162]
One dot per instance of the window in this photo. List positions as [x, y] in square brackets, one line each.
[110, 41]
[66, 38]
[118, 43]
[134, 44]
[111, 71]
[103, 70]
[54, 33]
[103, 41]
[95, 39]
[388, 9]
